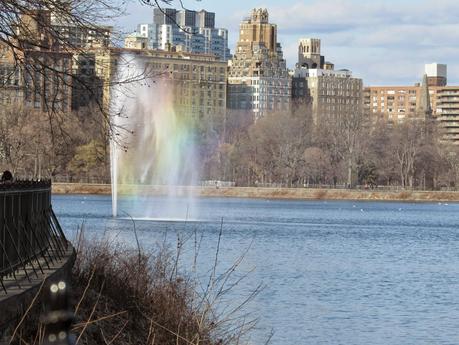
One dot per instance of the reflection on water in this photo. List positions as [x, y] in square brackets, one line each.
[334, 272]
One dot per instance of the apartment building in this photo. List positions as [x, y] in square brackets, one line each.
[186, 30]
[38, 75]
[332, 93]
[447, 112]
[396, 104]
[198, 81]
[258, 79]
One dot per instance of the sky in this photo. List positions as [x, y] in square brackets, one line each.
[384, 42]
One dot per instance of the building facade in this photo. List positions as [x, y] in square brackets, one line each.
[54, 69]
[186, 30]
[149, 31]
[198, 81]
[396, 104]
[87, 87]
[332, 93]
[74, 35]
[136, 41]
[258, 79]
[37, 76]
[447, 112]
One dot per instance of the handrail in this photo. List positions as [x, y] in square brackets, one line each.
[30, 234]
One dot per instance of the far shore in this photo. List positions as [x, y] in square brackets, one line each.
[266, 193]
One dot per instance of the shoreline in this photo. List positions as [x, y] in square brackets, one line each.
[265, 193]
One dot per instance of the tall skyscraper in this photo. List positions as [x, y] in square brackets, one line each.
[186, 30]
[258, 79]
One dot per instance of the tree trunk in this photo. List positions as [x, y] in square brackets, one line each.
[349, 172]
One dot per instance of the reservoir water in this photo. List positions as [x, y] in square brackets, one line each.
[333, 272]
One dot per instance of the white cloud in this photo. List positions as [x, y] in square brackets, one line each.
[332, 15]
[383, 41]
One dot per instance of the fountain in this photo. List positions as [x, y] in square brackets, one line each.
[152, 151]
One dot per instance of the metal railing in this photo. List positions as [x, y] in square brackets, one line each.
[91, 179]
[31, 238]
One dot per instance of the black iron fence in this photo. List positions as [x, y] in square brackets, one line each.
[30, 235]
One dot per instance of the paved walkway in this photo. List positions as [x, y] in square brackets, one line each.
[23, 287]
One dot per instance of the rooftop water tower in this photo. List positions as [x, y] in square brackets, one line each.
[436, 74]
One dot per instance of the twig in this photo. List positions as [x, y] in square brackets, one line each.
[28, 310]
[136, 237]
[85, 290]
[75, 327]
[119, 332]
[92, 313]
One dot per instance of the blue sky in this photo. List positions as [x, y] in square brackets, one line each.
[385, 42]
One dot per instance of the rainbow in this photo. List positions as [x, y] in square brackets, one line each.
[152, 145]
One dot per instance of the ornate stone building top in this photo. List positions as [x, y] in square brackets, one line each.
[260, 15]
[258, 54]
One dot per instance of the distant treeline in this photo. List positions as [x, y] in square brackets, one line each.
[290, 150]
[281, 149]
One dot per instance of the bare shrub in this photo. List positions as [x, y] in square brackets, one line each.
[125, 296]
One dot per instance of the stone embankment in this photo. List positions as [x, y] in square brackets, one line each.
[268, 193]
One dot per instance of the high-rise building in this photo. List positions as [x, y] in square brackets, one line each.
[332, 93]
[205, 19]
[165, 16]
[396, 104]
[186, 18]
[186, 30]
[258, 79]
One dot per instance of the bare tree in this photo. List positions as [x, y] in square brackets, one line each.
[13, 138]
[327, 137]
[39, 40]
[405, 146]
[317, 165]
[43, 42]
[378, 154]
[450, 157]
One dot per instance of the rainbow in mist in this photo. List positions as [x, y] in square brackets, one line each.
[153, 148]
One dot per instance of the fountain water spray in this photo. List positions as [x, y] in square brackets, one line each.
[154, 147]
